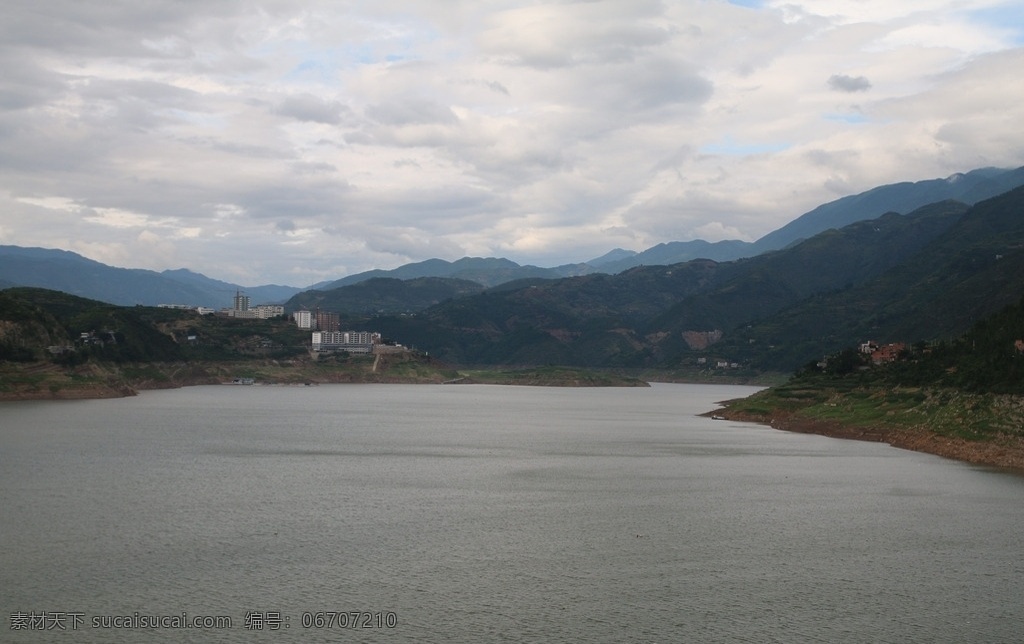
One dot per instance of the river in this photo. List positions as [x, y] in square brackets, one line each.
[476, 513]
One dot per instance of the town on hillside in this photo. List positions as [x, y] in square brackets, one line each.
[326, 335]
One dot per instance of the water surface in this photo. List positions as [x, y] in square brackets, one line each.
[489, 513]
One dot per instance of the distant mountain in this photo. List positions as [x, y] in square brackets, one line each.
[69, 272]
[676, 252]
[72, 273]
[585, 320]
[970, 188]
[928, 274]
[902, 198]
[972, 270]
[753, 289]
[614, 255]
[380, 295]
[266, 294]
[486, 271]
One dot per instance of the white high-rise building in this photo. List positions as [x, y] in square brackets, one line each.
[241, 302]
[303, 319]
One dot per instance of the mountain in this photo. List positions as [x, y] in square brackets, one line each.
[754, 288]
[69, 272]
[969, 188]
[487, 271]
[384, 295]
[924, 275]
[67, 331]
[266, 294]
[927, 275]
[971, 270]
[902, 198]
[37, 318]
[676, 252]
[614, 255]
[72, 273]
[584, 320]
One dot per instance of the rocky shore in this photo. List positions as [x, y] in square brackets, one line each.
[1001, 451]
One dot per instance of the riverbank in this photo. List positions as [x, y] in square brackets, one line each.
[974, 428]
[546, 377]
[49, 381]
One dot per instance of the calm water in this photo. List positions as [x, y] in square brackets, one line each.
[493, 514]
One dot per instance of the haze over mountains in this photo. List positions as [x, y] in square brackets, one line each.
[72, 273]
[969, 188]
[924, 275]
[927, 275]
[69, 272]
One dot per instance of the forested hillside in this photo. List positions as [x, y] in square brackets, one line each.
[925, 275]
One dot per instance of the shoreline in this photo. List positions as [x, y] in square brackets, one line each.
[47, 381]
[1005, 452]
[1002, 452]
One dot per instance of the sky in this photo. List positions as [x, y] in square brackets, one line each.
[294, 141]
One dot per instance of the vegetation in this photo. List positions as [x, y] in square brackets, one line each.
[923, 276]
[849, 403]
[55, 345]
[969, 389]
[385, 295]
[988, 358]
[919, 277]
[550, 376]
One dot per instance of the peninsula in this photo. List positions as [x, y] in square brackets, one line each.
[961, 399]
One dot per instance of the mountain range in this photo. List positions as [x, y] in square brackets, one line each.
[69, 272]
[926, 275]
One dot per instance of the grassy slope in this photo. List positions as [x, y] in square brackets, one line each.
[549, 377]
[982, 428]
[44, 380]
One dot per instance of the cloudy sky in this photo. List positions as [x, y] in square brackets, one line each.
[294, 141]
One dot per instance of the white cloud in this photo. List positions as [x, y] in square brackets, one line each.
[296, 141]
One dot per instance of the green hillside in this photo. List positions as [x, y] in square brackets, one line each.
[834, 260]
[668, 316]
[89, 330]
[925, 276]
[989, 358]
[961, 398]
[384, 295]
[593, 320]
[971, 270]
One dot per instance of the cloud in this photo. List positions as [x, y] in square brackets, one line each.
[411, 112]
[313, 109]
[717, 231]
[844, 83]
[290, 141]
[549, 36]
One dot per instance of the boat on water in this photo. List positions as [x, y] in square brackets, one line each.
[243, 381]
